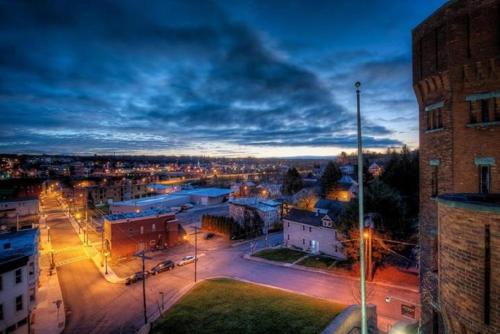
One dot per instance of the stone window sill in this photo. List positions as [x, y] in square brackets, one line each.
[483, 124]
[434, 130]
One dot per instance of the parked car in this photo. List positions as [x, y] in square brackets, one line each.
[138, 276]
[209, 236]
[162, 266]
[186, 260]
[187, 206]
[176, 209]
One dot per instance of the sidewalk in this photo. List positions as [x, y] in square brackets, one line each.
[304, 268]
[95, 255]
[47, 317]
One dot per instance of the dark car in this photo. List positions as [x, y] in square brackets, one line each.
[162, 266]
[138, 276]
[209, 236]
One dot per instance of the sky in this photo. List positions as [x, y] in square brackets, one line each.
[264, 78]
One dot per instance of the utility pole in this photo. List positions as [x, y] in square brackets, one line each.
[196, 228]
[362, 271]
[144, 288]
[143, 256]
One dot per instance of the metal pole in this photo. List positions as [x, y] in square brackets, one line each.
[144, 288]
[362, 270]
[195, 251]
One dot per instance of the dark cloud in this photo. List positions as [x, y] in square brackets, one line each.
[123, 75]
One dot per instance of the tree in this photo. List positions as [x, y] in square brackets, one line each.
[330, 177]
[384, 201]
[292, 182]
[307, 200]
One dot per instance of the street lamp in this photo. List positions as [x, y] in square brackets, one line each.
[106, 254]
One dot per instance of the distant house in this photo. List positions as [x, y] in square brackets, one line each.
[345, 190]
[347, 169]
[324, 206]
[313, 232]
[375, 170]
[268, 210]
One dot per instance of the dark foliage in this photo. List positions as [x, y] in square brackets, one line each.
[330, 177]
[292, 182]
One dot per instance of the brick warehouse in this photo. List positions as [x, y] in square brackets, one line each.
[127, 233]
[456, 78]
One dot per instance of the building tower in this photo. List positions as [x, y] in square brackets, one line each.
[456, 78]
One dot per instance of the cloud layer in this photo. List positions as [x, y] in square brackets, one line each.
[177, 77]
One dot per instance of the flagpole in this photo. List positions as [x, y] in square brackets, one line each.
[364, 329]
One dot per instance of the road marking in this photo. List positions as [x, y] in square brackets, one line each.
[72, 260]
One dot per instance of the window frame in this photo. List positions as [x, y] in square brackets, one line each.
[484, 188]
[19, 303]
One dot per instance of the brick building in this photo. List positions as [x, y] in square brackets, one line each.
[128, 233]
[456, 78]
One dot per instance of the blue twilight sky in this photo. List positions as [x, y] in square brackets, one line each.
[228, 77]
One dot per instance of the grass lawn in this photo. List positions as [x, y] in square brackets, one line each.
[221, 306]
[317, 261]
[280, 254]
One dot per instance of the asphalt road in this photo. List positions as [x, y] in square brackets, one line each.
[95, 306]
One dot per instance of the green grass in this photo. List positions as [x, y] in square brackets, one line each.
[317, 261]
[221, 306]
[280, 254]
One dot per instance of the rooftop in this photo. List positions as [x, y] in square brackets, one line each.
[140, 214]
[305, 217]
[209, 192]
[473, 201]
[254, 202]
[23, 242]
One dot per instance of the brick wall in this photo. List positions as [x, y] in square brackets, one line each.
[126, 238]
[456, 53]
[462, 268]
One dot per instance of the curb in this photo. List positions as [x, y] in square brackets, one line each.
[239, 243]
[319, 271]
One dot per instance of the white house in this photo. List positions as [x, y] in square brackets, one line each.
[312, 232]
[18, 278]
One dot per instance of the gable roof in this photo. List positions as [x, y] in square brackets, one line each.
[334, 208]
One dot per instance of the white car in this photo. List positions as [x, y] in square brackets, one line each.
[186, 260]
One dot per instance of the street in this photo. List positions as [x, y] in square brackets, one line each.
[93, 305]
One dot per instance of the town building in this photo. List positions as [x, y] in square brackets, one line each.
[18, 279]
[202, 196]
[19, 212]
[313, 232]
[345, 190]
[375, 170]
[128, 233]
[109, 192]
[241, 209]
[456, 78]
